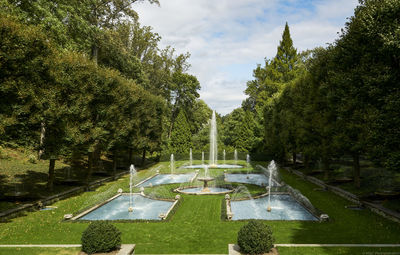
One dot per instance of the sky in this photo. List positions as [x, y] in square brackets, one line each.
[228, 38]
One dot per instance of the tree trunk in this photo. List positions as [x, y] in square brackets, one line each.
[294, 158]
[143, 157]
[90, 168]
[356, 167]
[325, 165]
[95, 53]
[96, 159]
[115, 163]
[50, 181]
[41, 142]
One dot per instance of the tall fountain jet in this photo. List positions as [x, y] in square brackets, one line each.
[190, 157]
[213, 142]
[235, 157]
[272, 170]
[132, 172]
[172, 164]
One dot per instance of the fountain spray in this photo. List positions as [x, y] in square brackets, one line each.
[235, 157]
[271, 167]
[224, 156]
[171, 164]
[190, 157]
[132, 172]
[213, 141]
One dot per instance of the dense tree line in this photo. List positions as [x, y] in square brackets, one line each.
[334, 101]
[85, 79]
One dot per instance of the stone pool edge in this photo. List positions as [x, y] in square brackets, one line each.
[164, 217]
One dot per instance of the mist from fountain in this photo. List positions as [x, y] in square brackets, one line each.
[202, 157]
[243, 193]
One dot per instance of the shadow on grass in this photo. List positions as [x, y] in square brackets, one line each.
[345, 225]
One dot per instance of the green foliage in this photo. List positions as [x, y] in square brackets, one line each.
[21, 46]
[238, 130]
[255, 238]
[341, 100]
[181, 135]
[100, 236]
[269, 83]
[284, 63]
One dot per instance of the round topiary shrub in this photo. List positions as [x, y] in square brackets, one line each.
[255, 238]
[100, 236]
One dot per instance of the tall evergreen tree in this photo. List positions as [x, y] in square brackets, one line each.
[180, 141]
[286, 58]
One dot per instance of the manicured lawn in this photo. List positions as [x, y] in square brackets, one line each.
[40, 251]
[196, 227]
[337, 251]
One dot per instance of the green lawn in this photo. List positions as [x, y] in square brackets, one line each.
[282, 251]
[40, 251]
[337, 251]
[196, 227]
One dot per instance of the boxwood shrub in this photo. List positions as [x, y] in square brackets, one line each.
[255, 238]
[100, 236]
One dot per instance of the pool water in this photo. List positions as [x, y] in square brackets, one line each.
[117, 209]
[257, 179]
[222, 166]
[284, 207]
[167, 179]
[199, 189]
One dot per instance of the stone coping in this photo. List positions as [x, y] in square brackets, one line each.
[148, 178]
[234, 249]
[202, 193]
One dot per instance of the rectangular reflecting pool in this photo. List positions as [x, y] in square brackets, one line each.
[283, 207]
[257, 179]
[117, 209]
[167, 179]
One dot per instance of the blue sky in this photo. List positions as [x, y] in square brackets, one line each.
[228, 38]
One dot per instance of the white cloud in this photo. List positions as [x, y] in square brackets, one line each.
[224, 33]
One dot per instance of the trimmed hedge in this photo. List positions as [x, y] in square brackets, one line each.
[101, 236]
[255, 238]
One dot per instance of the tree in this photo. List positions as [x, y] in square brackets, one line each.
[180, 141]
[285, 61]
[184, 93]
